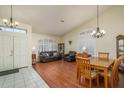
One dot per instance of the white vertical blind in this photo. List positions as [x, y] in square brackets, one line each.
[47, 45]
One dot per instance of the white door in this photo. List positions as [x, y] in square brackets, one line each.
[20, 51]
[13, 51]
[6, 53]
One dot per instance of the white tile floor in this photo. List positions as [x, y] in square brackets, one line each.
[25, 78]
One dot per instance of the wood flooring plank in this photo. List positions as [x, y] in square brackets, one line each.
[61, 74]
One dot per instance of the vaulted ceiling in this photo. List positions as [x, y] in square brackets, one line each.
[47, 18]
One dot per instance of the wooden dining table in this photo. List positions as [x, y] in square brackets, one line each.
[102, 64]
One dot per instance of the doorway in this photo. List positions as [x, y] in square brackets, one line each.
[13, 51]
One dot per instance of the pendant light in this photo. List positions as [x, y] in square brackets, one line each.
[98, 33]
[10, 23]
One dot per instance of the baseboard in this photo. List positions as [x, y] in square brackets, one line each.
[9, 72]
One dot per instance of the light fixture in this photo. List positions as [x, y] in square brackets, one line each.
[98, 33]
[11, 23]
[62, 20]
[70, 42]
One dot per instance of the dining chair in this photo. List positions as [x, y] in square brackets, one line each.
[103, 55]
[82, 55]
[85, 71]
[112, 74]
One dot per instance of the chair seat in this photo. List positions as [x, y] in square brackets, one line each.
[102, 73]
[94, 73]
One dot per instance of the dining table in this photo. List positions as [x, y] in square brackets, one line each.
[102, 65]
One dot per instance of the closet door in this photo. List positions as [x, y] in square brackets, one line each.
[6, 53]
[20, 52]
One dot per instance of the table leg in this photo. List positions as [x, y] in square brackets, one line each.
[106, 77]
[77, 72]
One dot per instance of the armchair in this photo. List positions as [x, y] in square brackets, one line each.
[70, 57]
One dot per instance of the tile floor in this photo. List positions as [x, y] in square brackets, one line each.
[25, 78]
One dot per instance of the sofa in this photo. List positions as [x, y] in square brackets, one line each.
[49, 56]
[70, 57]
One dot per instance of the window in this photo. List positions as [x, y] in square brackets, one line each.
[47, 45]
[8, 29]
[86, 43]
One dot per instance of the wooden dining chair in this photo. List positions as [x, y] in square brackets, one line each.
[103, 55]
[82, 55]
[85, 70]
[113, 74]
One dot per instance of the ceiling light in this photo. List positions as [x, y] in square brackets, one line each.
[98, 33]
[62, 20]
[10, 23]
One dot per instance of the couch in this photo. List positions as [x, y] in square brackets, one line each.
[70, 57]
[49, 56]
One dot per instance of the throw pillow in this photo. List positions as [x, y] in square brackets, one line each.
[50, 53]
[43, 54]
[47, 54]
[55, 54]
[71, 54]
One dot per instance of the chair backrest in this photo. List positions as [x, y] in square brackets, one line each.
[83, 55]
[115, 68]
[84, 66]
[79, 55]
[103, 55]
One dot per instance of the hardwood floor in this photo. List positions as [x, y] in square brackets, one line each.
[60, 74]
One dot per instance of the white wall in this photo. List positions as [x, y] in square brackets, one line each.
[29, 31]
[36, 37]
[112, 21]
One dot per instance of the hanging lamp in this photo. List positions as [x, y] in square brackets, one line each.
[10, 23]
[98, 33]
